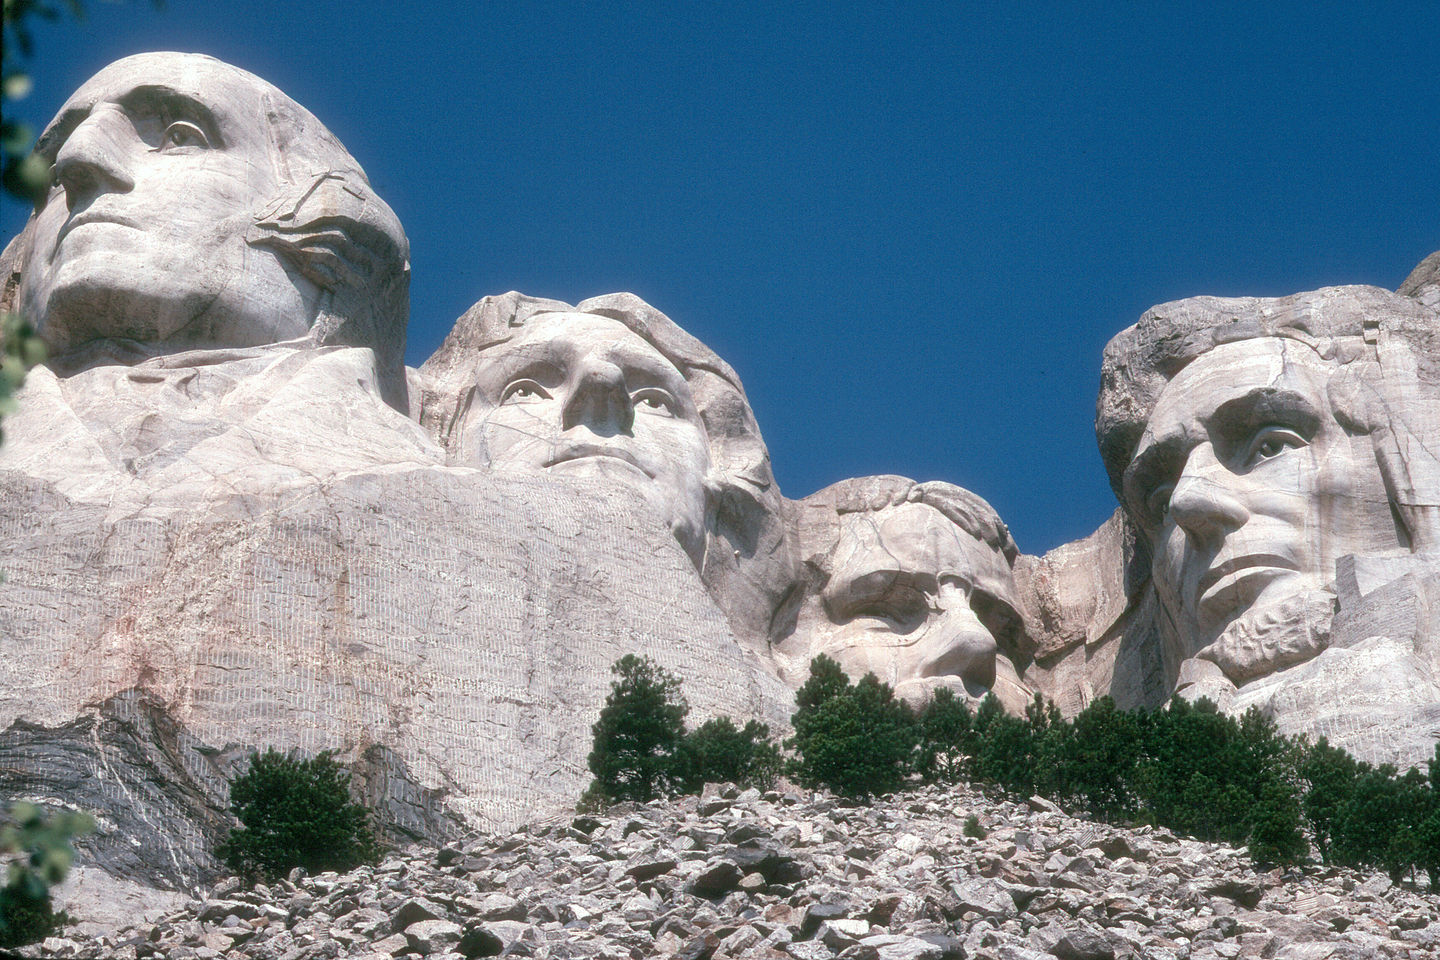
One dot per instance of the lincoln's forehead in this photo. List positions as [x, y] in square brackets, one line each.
[1234, 370]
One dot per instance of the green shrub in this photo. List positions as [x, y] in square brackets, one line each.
[637, 752]
[719, 752]
[40, 844]
[972, 828]
[296, 813]
[857, 740]
[945, 725]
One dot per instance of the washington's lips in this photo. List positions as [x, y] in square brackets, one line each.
[86, 217]
[587, 451]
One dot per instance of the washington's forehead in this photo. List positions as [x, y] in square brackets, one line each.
[216, 84]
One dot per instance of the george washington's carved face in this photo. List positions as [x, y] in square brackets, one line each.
[1250, 489]
[161, 163]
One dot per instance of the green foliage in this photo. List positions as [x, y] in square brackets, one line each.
[40, 844]
[857, 740]
[296, 813]
[946, 724]
[21, 351]
[719, 752]
[972, 828]
[1098, 760]
[637, 752]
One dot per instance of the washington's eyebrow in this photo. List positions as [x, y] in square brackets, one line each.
[167, 100]
[174, 104]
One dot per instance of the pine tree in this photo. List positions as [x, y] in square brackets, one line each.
[857, 740]
[637, 747]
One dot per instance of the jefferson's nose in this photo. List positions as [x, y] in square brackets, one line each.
[600, 400]
[1204, 502]
[93, 159]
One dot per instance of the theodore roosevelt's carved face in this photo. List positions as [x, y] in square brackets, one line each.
[1249, 488]
[914, 599]
[161, 162]
[582, 395]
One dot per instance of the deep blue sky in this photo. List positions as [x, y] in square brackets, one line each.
[911, 228]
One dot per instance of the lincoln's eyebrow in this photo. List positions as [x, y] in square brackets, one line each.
[1237, 418]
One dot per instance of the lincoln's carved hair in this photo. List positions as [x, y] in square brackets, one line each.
[325, 222]
[1384, 346]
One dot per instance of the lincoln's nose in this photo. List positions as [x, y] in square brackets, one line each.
[93, 158]
[1204, 503]
[600, 400]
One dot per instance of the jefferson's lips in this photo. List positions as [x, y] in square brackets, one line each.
[587, 450]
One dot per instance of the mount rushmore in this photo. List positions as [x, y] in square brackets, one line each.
[231, 517]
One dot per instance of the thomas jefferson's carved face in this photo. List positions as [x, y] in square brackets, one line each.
[1249, 488]
[161, 161]
[582, 395]
[914, 599]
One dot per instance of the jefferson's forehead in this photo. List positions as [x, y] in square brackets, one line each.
[568, 336]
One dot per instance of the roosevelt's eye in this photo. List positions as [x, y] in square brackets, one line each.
[654, 400]
[1269, 442]
[1157, 504]
[900, 606]
[182, 133]
[524, 391]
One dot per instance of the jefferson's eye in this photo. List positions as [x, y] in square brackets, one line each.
[1269, 442]
[654, 400]
[182, 133]
[523, 391]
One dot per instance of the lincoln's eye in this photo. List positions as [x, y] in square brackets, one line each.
[1157, 504]
[1270, 442]
[182, 133]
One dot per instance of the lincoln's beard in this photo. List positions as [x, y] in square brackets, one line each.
[1271, 638]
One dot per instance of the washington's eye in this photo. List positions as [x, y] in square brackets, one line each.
[654, 400]
[1269, 442]
[182, 133]
[523, 391]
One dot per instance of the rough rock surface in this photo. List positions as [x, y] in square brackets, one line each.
[790, 875]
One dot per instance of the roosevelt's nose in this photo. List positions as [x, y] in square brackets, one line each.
[94, 159]
[1204, 503]
[959, 644]
[599, 400]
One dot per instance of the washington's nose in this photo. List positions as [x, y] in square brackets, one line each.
[1203, 503]
[600, 400]
[93, 159]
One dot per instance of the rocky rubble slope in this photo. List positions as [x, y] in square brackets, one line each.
[785, 874]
